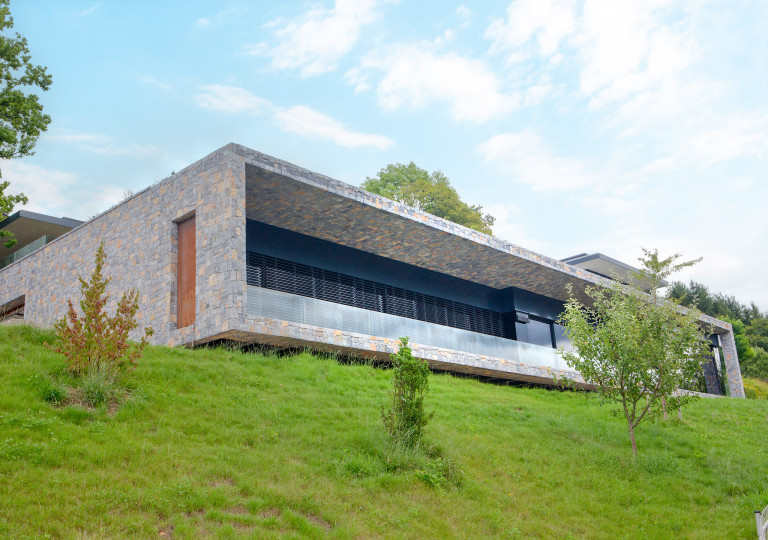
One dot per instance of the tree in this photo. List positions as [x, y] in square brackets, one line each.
[21, 114]
[757, 332]
[698, 295]
[405, 419]
[431, 193]
[96, 342]
[636, 348]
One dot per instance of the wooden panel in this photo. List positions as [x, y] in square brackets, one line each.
[186, 272]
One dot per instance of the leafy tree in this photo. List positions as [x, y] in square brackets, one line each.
[757, 366]
[757, 332]
[636, 348]
[698, 295]
[431, 193]
[7, 203]
[96, 343]
[406, 419]
[21, 114]
[753, 358]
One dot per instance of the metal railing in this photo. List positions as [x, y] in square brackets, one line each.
[26, 250]
[283, 306]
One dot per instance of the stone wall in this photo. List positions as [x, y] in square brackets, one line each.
[139, 236]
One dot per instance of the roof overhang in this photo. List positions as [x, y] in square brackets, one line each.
[29, 226]
[286, 196]
[605, 266]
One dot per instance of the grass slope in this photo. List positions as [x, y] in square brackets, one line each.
[232, 445]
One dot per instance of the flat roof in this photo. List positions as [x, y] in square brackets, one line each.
[605, 266]
[281, 194]
[29, 226]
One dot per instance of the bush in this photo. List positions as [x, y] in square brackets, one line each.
[755, 388]
[97, 342]
[405, 420]
[755, 365]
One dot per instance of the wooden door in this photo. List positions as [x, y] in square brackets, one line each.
[185, 274]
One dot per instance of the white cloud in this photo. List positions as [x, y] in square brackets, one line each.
[216, 20]
[319, 39]
[465, 14]
[549, 22]
[149, 79]
[87, 11]
[298, 119]
[416, 75]
[737, 136]
[231, 100]
[305, 121]
[55, 192]
[104, 145]
[510, 226]
[526, 158]
[629, 46]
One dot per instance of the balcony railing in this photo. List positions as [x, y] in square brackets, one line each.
[26, 250]
[278, 305]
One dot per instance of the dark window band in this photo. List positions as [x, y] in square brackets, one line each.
[296, 278]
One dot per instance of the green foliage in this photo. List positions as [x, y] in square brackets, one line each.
[637, 349]
[405, 419]
[718, 305]
[21, 114]
[757, 365]
[755, 388]
[433, 193]
[7, 202]
[95, 341]
[757, 332]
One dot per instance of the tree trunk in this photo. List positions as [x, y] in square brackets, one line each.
[632, 438]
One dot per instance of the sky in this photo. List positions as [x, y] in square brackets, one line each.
[582, 126]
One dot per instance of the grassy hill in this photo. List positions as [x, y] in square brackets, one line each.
[231, 445]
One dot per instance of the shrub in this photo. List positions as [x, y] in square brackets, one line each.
[96, 341]
[405, 420]
[755, 365]
[755, 388]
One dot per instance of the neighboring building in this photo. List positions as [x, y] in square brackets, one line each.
[245, 247]
[31, 231]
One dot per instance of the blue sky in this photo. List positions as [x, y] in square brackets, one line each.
[582, 126]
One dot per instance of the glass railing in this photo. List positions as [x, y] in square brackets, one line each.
[300, 309]
[26, 250]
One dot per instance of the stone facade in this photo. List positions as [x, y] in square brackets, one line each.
[139, 238]
[235, 183]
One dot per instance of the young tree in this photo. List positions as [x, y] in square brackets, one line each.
[636, 348]
[21, 114]
[405, 419]
[432, 193]
[96, 342]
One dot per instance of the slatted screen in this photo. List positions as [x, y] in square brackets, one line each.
[296, 278]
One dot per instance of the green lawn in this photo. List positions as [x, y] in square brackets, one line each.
[231, 445]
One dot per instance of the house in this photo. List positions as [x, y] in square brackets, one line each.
[243, 246]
